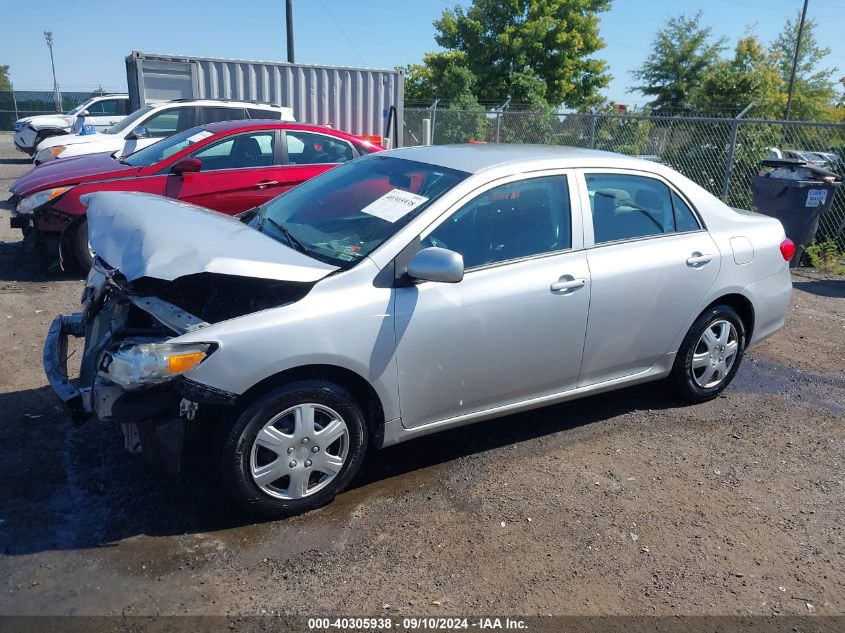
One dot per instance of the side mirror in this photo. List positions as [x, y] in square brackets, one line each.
[83, 114]
[140, 132]
[437, 264]
[187, 165]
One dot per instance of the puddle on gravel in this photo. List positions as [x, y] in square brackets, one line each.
[825, 392]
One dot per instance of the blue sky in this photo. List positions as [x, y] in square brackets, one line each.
[92, 38]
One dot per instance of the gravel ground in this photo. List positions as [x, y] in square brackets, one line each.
[619, 504]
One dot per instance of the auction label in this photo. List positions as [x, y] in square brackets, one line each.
[394, 205]
[418, 624]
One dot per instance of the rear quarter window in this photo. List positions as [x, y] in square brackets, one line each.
[258, 113]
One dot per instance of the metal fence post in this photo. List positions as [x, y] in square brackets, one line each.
[15, 104]
[593, 130]
[433, 109]
[729, 161]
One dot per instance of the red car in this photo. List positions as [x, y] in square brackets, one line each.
[229, 166]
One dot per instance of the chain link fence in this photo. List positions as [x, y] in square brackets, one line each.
[719, 154]
[16, 104]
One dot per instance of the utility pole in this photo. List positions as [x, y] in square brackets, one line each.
[289, 22]
[48, 35]
[795, 61]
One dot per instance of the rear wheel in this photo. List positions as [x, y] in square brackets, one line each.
[294, 448]
[710, 354]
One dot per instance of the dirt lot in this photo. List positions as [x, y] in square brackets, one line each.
[619, 504]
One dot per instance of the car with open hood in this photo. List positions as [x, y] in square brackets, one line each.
[228, 166]
[102, 112]
[405, 293]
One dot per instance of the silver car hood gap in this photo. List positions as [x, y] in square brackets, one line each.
[144, 235]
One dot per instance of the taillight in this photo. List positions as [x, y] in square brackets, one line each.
[787, 249]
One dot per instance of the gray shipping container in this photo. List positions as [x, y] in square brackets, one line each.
[355, 100]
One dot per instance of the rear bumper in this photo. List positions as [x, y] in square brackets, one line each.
[55, 363]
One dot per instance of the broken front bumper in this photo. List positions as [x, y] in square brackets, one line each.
[55, 364]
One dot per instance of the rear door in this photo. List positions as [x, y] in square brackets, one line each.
[651, 265]
[308, 154]
[239, 172]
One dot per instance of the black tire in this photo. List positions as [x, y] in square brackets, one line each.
[238, 445]
[683, 375]
[78, 243]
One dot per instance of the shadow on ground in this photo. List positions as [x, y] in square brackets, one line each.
[823, 287]
[74, 488]
[21, 261]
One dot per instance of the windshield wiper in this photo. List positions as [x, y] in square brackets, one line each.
[295, 243]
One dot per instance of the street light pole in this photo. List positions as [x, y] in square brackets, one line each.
[795, 61]
[48, 35]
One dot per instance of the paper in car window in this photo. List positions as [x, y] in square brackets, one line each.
[394, 205]
[196, 138]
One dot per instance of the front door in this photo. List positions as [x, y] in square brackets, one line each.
[652, 265]
[238, 173]
[513, 329]
[106, 112]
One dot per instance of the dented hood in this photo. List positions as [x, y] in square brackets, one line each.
[144, 235]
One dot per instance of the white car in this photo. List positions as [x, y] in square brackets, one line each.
[155, 122]
[103, 111]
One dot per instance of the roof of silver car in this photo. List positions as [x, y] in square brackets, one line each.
[474, 158]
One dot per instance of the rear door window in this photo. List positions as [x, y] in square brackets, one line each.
[215, 114]
[307, 148]
[258, 113]
[628, 207]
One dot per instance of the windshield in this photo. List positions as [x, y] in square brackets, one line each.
[346, 213]
[129, 122]
[166, 147]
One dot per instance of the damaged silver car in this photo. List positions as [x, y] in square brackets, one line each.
[402, 294]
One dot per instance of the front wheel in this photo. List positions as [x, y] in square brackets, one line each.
[78, 243]
[710, 354]
[294, 448]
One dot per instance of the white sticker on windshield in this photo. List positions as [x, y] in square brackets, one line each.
[394, 205]
[196, 138]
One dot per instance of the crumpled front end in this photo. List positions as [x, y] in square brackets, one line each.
[131, 371]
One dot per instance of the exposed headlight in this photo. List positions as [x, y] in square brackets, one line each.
[49, 153]
[19, 125]
[30, 203]
[148, 363]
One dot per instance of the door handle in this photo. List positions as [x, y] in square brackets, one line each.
[567, 282]
[266, 183]
[697, 259]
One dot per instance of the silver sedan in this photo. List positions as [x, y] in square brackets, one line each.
[405, 293]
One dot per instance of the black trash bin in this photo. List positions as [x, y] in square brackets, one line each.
[797, 194]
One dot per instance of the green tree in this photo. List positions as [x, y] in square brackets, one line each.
[5, 82]
[535, 48]
[814, 94]
[681, 52]
[751, 76]
[443, 76]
